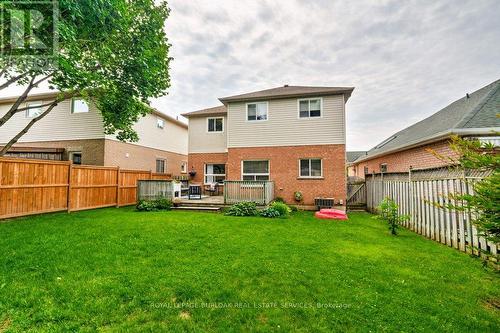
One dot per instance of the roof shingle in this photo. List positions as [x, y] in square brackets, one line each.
[289, 91]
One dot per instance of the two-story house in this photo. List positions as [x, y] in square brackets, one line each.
[74, 131]
[292, 135]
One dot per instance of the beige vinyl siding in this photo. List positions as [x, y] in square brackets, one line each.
[59, 124]
[172, 137]
[200, 141]
[284, 127]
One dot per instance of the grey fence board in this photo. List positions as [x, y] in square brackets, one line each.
[424, 196]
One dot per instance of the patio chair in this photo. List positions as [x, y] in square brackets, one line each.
[194, 191]
[212, 189]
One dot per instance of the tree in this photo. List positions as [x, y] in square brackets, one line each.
[388, 211]
[113, 53]
[484, 201]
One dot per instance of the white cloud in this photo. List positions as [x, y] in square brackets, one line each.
[406, 59]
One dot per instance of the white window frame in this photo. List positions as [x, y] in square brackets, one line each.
[309, 159]
[215, 120]
[309, 111]
[73, 105]
[268, 174]
[184, 167]
[29, 104]
[257, 120]
[164, 165]
[160, 123]
[205, 174]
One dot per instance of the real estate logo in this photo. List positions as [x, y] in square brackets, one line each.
[28, 32]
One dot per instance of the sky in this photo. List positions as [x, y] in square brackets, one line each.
[406, 59]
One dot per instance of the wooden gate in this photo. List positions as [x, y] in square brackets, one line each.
[356, 196]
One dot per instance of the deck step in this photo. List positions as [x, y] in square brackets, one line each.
[198, 208]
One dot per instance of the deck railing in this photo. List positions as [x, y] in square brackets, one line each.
[260, 192]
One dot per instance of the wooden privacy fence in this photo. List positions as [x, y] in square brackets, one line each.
[260, 192]
[34, 186]
[416, 194]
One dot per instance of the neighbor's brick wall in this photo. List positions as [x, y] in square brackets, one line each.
[197, 161]
[92, 149]
[140, 157]
[284, 170]
[418, 158]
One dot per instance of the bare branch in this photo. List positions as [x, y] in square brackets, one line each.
[3, 71]
[27, 128]
[34, 107]
[12, 80]
[13, 108]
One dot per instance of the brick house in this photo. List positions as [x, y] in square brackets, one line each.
[74, 131]
[294, 136]
[474, 115]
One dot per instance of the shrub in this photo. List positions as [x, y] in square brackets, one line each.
[270, 212]
[389, 212]
[243, 209]
[154, 205]
[282, 208]
[279, 199]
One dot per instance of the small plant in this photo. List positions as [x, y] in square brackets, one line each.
[154, 205]
[298, 196]
[389, 212]
[282, 208]
[279, 199]
[270, 212]
[243, 209]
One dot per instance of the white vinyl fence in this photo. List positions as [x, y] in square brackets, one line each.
[417, 192]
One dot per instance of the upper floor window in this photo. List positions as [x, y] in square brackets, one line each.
[255, 170]
[160, 123]
[34, 110]
[215, 125]
[79, 105]
[161, 166]
[311, 168]
[310, 108]
[257, 111]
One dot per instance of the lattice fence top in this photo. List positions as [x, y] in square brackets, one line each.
[430, 174]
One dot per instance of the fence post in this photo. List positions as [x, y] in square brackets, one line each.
[412, 218]
[118, 187]
[68, 201]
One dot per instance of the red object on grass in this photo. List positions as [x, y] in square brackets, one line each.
[334, 214]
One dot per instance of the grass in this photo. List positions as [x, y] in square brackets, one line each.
[121, 270]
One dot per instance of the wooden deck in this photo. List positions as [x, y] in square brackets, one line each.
[205, 200]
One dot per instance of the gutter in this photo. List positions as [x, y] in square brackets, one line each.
[431, 139]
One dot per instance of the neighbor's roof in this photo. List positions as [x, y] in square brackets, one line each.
[289, 91]
[52, 94]
[218, 110]
[475, 114]
[351, 156]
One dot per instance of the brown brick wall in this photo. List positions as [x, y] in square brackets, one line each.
[418, 158]
[92, 149]
[284, 170]
[141, 158]
[197, 161]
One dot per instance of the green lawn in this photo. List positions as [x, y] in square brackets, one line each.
[121, 270]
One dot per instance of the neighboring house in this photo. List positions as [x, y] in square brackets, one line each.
[294, 136]
[474, 115]
[74, 131]
[351, 156]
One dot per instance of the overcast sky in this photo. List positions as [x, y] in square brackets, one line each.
[406, 59]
